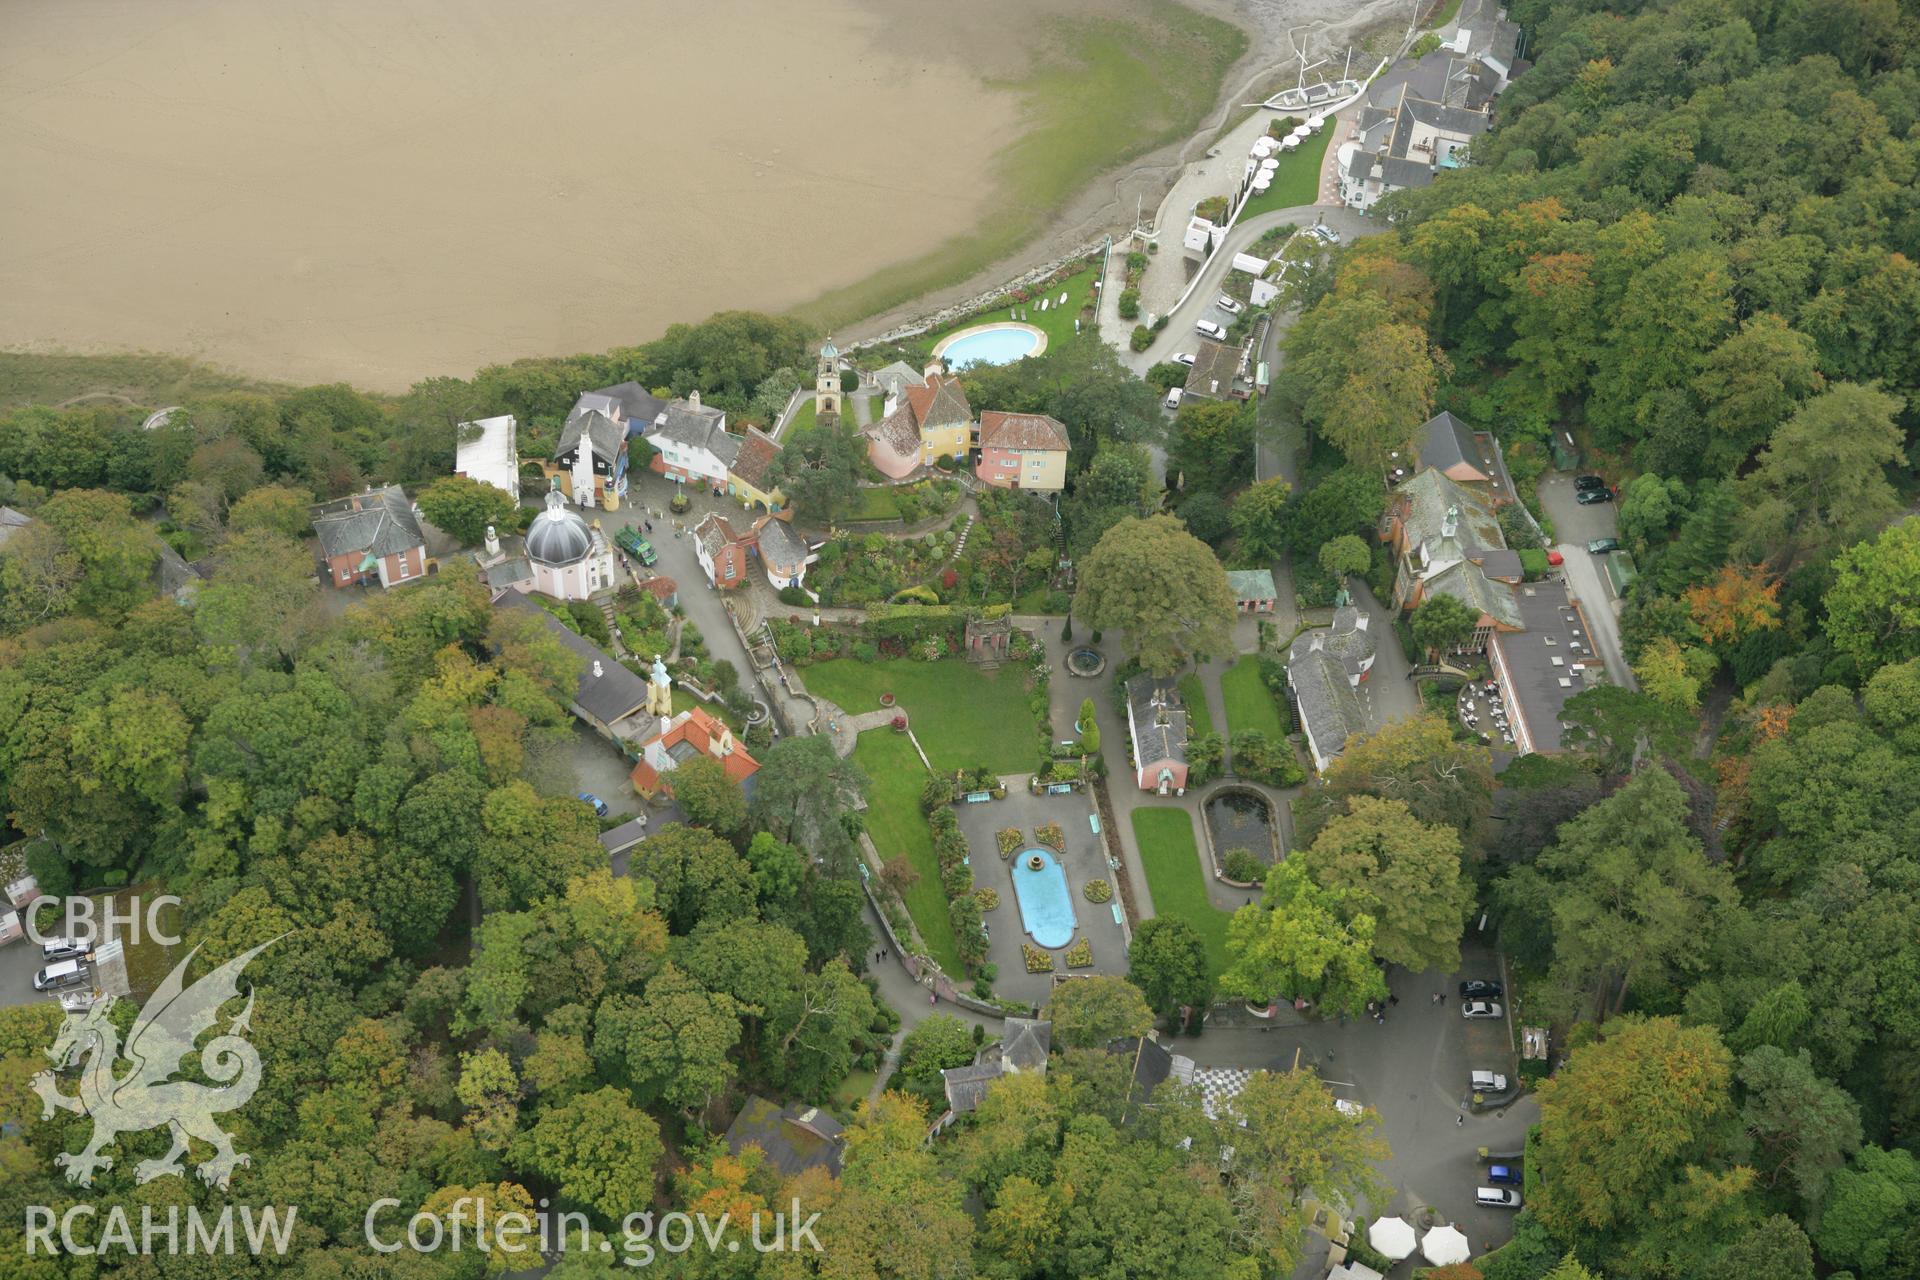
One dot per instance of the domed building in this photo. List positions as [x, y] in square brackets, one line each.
[568, 557]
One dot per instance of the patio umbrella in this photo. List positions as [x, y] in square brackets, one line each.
[1301, 131]
[1445, 1246]
[1316, 123]
[1289, 143]
[1391, 1237]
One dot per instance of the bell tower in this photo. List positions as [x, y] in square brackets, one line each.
[826, 384]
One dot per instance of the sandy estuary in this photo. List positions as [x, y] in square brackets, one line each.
[381, 190]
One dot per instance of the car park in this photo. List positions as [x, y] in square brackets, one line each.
[1229, 305]
[594, 803]
[1207, 328]
[1496, 1197]
[1600, 546]
[62, 949]
[1589, 482]
[1481, 989]
[1504, 1174]
[1183, 357]
[1487, 1081]
[65, 973]
[1589, 497]
[1480, 1009]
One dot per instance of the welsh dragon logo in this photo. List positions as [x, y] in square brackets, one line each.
[146, 1096]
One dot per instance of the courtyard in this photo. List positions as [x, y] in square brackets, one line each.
[1083, 860]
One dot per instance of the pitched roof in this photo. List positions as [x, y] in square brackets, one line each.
[794, 1138]
[1468, 583]
[698, 729]
[942, 402]
[1155, 737]
[714, 532]
[1429, 496]
[1252, 584]
[1215, 364]
[1024, 1043]
[1350, 640]
[897, 432]
[780, 546]
[1329, 708]
[754, 462]
[638, 406]
[615, 693]
[624, 836]
[1021, 431]
[12, 522]
[898, 376]
[1498, 562]
[1445, 118]
[967, 1086]
[697, 426]
[607, 437]
[379, 522]
[1446, 442]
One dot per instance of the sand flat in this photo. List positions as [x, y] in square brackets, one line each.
[383, 190]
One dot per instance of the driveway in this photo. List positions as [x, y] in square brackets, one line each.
[1574, 526]
[19, 960]
[1412, 1069]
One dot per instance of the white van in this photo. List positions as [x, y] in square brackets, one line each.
[66, 973]
[1488, 1082]
[1218, 332]
[1173, 397]
[1496, 1197]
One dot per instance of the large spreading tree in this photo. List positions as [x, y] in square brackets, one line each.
[1163, 587]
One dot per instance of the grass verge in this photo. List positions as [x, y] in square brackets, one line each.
[1101, 91]
[1174, 877]
[898, 827]
[1199, 718]
[1296, 181]
[962, 716]
[1250, 704]
[874, 503]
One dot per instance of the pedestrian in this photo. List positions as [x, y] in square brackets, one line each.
[1443, 999]
[1393, 999]
[1459, 1122]
[1436, 998]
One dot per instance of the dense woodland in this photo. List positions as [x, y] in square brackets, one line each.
[1690, 243]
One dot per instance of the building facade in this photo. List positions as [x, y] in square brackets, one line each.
[1022, 451]
[370, 537]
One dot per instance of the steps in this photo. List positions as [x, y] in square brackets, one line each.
[619, 648]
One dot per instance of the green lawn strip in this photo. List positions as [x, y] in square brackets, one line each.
[876, 503]
[805, 419]
[1102, 90]
[1443, 15]
[1056, 321]
[1297, 179]
[963, 716]
[1174, 877]
[1250, 704]
[1199, 719]
[897, 826]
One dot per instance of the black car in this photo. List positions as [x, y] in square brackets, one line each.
[1479, 989]
[1589, 482]
[1588, 497]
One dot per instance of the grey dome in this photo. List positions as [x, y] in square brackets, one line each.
[557, 537]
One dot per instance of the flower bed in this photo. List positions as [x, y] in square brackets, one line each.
[1098, 891]
[1080, 954]
[1010, 839]
[1038, 961]
[987, 898]
[1050, 835]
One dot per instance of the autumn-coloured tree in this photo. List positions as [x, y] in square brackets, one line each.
[1740, 600]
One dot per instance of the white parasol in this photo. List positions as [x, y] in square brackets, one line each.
[1445, 1246]
[1391, 1237]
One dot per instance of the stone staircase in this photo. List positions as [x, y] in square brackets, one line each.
[606, 611]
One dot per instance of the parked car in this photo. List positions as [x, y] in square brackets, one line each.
[630, 541]
[1480, 1009]
[1591, 497]
[1327, 233]
[62, 949]
[1183, 357]
[1487, 1081]
[595, 803]
[1481, 989]
[66, 973]
[1600, 546]
[1589, 482]
[1497, 1197]
[1208, 329]
[1504, 1174]
[1229, 305]
[1173, 397]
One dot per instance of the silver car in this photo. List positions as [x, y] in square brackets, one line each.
[1481, 1009]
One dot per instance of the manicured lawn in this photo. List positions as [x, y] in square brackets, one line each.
[1101, 90]
[1055, 322]
[874, 504]
[962, 716]
[897, 826]
[1174, 877]
[1199, 719]
[1296, 181]
[1250, 704]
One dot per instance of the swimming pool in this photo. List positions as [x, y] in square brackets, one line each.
[1046, 907]
[999, 345]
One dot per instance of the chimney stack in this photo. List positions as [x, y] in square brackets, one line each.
[493, 542]
[597, 672]
[693, 398]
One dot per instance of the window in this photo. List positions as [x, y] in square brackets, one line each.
[730, 567]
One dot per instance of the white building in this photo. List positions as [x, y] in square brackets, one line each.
[564, 557]
[691, 443]
[489, 451]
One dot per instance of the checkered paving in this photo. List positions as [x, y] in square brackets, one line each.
[1219, 1086]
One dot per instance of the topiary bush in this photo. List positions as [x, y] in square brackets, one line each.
[987, 898]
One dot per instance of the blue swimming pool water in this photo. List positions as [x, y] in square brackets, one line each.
[995, 346]
[1046, 906]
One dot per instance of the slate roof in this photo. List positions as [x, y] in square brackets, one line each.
[898, 432]
[606, 435]
[379, 522]
[1426, 499]
[1445, 118]
[794, 1138]
[1350, 639]
[1468, 583]
[1498, 562]
[713, 533]
[1153, 740]
[638, 406]
[754, 462]
[967, 1086]
[12, 522]
[780, 547]
[698, 426]
[1213, 362]
[941, 402]
[1152, 1066]
[1539, 658]
[624, 836]
[1252, 584]
[1329, 708]
[898, 376]
[1446, 442]
[1034, 431]
[612, 695]
[1025, 1043]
